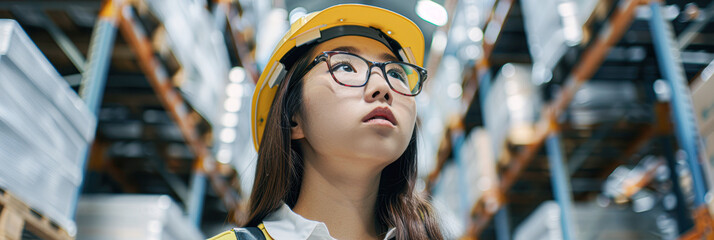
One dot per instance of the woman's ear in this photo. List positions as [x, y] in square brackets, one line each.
[296, 128]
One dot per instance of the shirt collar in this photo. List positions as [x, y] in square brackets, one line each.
[286, 224]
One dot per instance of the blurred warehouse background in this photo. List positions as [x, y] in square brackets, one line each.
[542, 119]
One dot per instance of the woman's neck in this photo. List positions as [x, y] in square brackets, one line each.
[344, 200]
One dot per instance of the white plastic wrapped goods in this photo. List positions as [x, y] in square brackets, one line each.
[125, 217]
[592, 222]
[45, 129]
[199, 47]
[512, 107]
[703, 100]
[468, 179]
[550, 34]
[606, 101]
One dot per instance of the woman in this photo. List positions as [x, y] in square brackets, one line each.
[334, 124]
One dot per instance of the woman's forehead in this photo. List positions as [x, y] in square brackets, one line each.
[365, 47]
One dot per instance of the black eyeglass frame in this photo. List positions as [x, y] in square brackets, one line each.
[325, 56]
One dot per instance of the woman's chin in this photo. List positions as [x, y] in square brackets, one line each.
[381, 155]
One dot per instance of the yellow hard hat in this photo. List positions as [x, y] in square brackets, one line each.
[396, 31]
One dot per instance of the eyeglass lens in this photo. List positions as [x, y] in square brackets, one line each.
[352, 70]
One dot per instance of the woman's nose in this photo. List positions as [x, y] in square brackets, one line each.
[377, 88]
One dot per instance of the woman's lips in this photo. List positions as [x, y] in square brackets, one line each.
[381, 116]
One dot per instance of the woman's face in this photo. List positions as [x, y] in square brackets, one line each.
[339, 122]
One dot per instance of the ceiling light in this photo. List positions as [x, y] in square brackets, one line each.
[230, 120]
[232, 104]
[476, 34]
[237, 74]
[432, 12]
[228, 135]
[234, 90]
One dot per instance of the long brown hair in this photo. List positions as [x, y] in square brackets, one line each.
[280, 167]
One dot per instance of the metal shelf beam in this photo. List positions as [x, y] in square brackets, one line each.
[74, 55]
[693, 29]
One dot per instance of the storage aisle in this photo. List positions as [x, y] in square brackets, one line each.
[540, 119]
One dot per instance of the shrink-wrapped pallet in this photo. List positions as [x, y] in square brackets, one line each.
[200, 49]
[129, 216]
[594, 222]
[551, 33]
[45, 129]
[512, 107]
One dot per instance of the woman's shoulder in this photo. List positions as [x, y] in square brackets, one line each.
[245, 233]
[227, 235]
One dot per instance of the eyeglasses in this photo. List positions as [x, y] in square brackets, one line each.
[351, 70]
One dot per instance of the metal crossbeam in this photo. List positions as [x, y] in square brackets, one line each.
[693, 29]
[63, 41]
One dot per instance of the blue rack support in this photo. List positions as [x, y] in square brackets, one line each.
[502, 224]
[196, 197]
[686, 129]
[561, 184]
[458, 139]
[94, 79]
[501, 219]
[683, 216]
[100, 53]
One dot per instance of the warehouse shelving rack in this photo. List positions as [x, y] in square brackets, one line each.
[228, 14]
[546, 131]
[491, 204]
[495, 20]
[118, 16]
[472, 87]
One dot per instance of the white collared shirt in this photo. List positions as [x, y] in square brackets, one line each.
[286, 224]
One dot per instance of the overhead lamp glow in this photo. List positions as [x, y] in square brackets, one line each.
[230, 120]
[234, 90]
[237, 74]
[228, 135]
[232, 104]
[224, 156]
[475, 34]
[432, 12]
[296, 14]
[438, 42]
[454, 90]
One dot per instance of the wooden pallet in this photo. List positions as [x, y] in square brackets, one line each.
[19, 221]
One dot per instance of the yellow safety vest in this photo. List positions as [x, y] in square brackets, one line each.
[230, 235]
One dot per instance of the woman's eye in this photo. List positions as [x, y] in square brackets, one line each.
[397, 75]
[343, 67]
